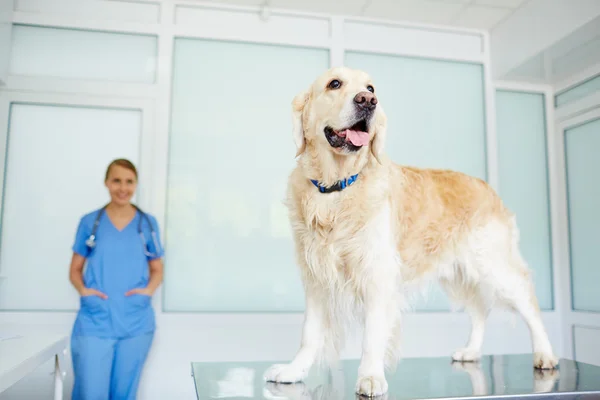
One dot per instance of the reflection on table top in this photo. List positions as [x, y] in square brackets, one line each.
[500, 376]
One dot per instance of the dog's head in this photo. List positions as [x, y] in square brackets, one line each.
[340, 112]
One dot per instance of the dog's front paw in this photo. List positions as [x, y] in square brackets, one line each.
[544, 360]
[371, 386]
[544, 380]
[466, 354]
[285, 373]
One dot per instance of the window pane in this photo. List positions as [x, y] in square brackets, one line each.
[123, 10]
[585, 343]
[583, 165]
[231, 152]
[435, 118]
[583, 89]
[52, 153]
[523, 180]
[77, 54]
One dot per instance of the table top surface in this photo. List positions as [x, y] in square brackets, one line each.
[498, 376]
[21, 354]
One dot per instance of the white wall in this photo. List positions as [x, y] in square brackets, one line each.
[186, 337]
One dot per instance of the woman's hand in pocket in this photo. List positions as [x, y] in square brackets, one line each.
[92, 292]
[143, 291]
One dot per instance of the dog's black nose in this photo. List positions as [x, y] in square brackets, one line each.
[365, 100]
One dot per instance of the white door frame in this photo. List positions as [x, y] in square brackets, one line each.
[571, 318]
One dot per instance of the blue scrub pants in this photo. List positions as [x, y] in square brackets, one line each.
[108, 368]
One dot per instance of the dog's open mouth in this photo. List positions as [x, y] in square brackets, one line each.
[352, 138]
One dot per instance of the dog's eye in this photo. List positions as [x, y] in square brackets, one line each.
[371, 89]
[334, 84]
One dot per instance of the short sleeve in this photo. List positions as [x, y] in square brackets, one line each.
[154, 242]
[81, 236]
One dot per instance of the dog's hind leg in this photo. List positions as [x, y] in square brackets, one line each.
[516, 290]
[512, 284]
[501, 276]
[472, 351]
[466, 293]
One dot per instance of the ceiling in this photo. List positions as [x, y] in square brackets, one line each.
[566, 57]
[478, 14]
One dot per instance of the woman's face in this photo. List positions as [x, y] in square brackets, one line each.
[121, 184]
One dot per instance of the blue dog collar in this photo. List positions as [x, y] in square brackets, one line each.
[336, 187]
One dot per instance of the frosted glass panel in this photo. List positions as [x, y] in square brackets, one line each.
[55, 167]
[584, 89]
[585, 344]
[523, 180]
[436, 118]
[583, 168]
[77, 54]
[123, 10]
[231, 151]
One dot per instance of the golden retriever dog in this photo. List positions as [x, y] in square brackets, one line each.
[366, 229]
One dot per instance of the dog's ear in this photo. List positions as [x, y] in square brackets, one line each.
[378, 142]
[298, 128]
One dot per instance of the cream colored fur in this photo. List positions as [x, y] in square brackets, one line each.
[360, 249]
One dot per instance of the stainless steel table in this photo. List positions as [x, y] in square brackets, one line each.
[494, 377]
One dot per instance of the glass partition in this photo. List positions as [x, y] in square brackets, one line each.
[523, 181]
[583, 191]
[579, 91]
[52, 152]
[231, 151]
[81, 54]
[436, 119]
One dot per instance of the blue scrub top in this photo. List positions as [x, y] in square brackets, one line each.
[114, 266]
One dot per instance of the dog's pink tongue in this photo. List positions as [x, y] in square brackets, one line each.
[357, 138]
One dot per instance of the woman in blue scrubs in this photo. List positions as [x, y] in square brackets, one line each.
[114, 327]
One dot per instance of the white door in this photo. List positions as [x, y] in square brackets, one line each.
[57, 150]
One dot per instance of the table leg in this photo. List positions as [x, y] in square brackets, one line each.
[58, 380]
